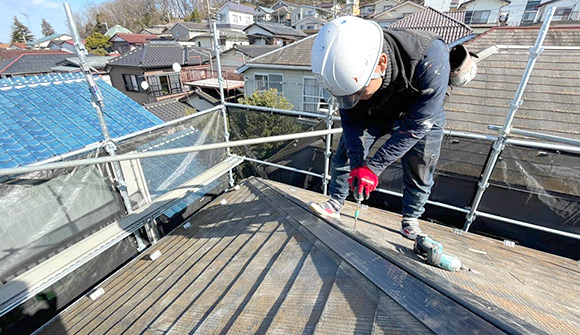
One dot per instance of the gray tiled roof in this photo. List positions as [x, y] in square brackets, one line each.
[551, 99]
[168, 110]
[176, 108]
[277, 29]
[295, 54]
[241, 8]
[255, 50]
[159, 55]
[429, 19]
[195, 26]
[31, 64]
[98, 62]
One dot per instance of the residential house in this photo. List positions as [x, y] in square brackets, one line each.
[443, 6]
[18, 46]
[272, 33]
[4, 46]
[161, 30]
[177, 108]
[31, 64]
[387, 17]
[153, 63]
[352, 7]
[117, 29]
[287, 70]
[67, 45]
[42, 43]
[482, 13]
[185, 31]
[263, 13]
[383, 5]
[310, 25]
[97, 64]
[367, 10]
[226, 40]
[233, 15]
[334, 8]
[567, 10]
[126, 42]
[521, 12]
[305, 11]
[283, 12]
[451, 30]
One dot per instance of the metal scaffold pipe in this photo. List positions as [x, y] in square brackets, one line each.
[167, 152]
[500, 143]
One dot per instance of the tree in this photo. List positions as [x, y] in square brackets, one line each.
[98, 44]
[100, 25]
[46, 28]
[195, 16]
[250, 124]
[20, 32]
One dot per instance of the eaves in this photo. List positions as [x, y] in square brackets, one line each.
[247, 66]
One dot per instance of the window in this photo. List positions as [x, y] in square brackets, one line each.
[131, 84]
[311, 94]
[309, 27]
[562, 14]
[248, 20]
[529, 16]
[161, 85]
[477, 16]
[222, 41]
[264, 82]
[387, 7]
[236, 18]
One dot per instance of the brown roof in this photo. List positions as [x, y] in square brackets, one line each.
[551, 99]
[20, 45]
[13, 53]
[432, 20]
[136, 38]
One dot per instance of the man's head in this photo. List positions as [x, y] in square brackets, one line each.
[348, 59]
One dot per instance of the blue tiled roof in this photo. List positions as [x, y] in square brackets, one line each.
[46, 116]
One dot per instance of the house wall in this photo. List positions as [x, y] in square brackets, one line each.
[573, 4]
[485, 5]
[116, 76]
[292, 83]
[180, 33]
[225, 15]
[440, 5]
[380, 6]
[303, 12]
[516, 11]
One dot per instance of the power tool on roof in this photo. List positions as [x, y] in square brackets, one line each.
[433, 252]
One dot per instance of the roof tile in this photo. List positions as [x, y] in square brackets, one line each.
[33, 130]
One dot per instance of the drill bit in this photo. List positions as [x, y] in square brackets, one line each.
[356, 213]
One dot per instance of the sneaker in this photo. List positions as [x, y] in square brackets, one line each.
[410, 228]
[330, 208]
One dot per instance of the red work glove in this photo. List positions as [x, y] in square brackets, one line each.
[362, 178]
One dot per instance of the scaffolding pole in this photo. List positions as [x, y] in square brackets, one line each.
[500, 143]
[97, 97]
[222, 97]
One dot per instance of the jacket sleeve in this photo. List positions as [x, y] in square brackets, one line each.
[431, 79]
[352, 130]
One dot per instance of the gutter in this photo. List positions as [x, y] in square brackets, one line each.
[247, 66]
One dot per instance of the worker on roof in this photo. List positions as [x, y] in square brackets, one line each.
[386, 83]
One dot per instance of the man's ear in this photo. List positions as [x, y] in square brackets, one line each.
[383, 61]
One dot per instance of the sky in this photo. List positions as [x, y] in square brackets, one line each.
[51, 10]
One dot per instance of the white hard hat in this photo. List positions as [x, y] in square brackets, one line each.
[344, 56]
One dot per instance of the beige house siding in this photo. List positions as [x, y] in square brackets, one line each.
[116, 74]
[292, 83]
